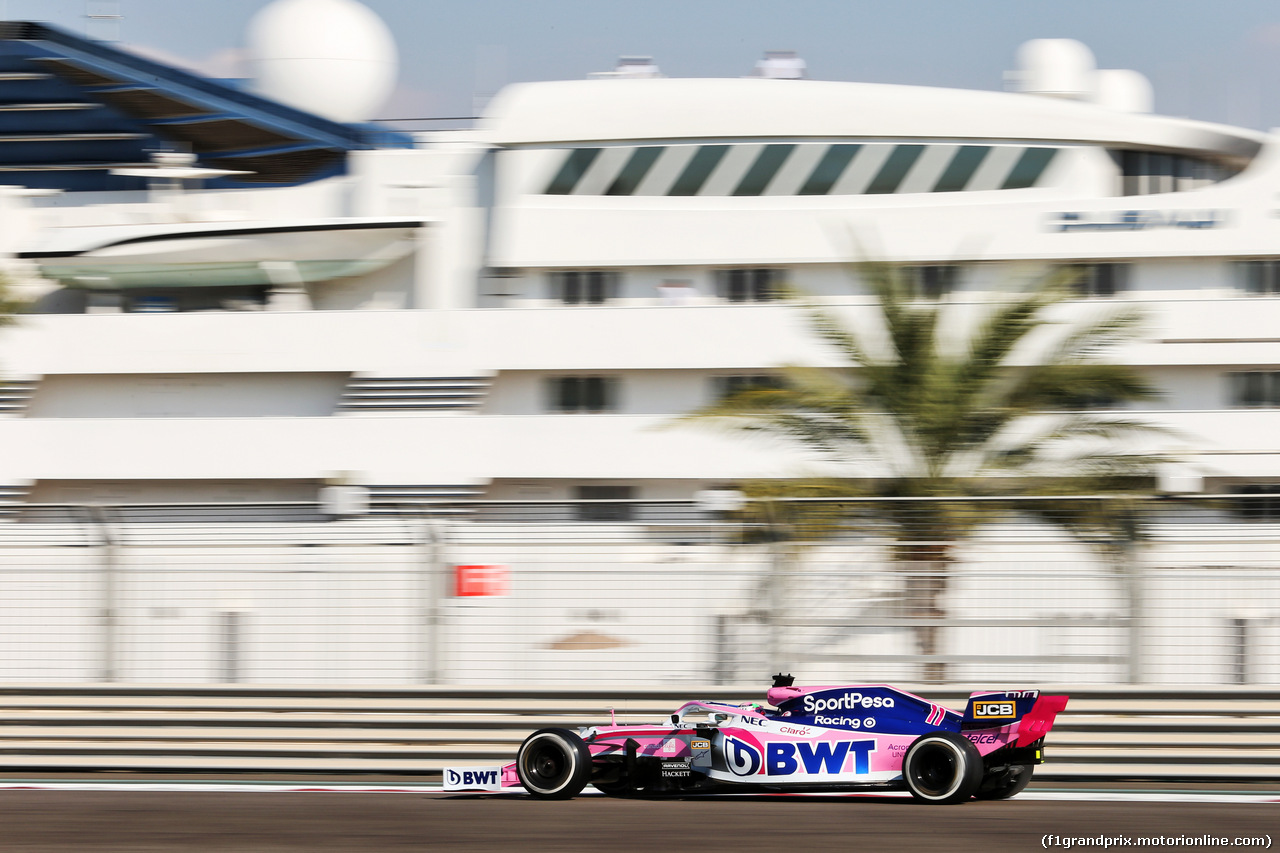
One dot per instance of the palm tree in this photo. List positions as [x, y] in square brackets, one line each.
[924, 409]
[11, 304]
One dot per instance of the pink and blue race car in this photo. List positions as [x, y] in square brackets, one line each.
[807, 739]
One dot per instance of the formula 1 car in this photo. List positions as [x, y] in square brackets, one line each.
[812, 739]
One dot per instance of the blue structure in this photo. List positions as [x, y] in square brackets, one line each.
[71, 109]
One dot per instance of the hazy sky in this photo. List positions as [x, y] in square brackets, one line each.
[1214, 61]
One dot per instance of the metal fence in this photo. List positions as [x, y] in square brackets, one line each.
[1176, 592]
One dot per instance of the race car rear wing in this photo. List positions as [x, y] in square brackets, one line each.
[1033, 713]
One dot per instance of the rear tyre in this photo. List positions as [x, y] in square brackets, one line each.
[553, 764]
[1005, 783]
[942, 768]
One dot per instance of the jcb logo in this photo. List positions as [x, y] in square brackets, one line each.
[993, 709]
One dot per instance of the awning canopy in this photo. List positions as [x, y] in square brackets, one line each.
[242, 254]
[72, 109]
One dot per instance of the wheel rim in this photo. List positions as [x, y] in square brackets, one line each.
[547, 764]
[935, 770]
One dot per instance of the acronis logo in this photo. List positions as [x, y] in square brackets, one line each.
[742, 758]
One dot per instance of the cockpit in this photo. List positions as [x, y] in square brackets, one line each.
[716, 714]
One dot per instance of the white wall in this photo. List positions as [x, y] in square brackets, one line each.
[593, 603]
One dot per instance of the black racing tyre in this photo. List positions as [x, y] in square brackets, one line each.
[1003, 784]
[553, 764]
[942, 768]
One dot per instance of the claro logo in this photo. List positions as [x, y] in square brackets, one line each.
[847, 702]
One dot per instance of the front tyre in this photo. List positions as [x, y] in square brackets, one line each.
[1005, 783]
[553, 764]
[942, 768]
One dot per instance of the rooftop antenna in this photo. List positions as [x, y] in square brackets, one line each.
[104, 19]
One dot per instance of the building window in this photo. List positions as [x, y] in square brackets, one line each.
[1258, 278]
[585, 287]
[1255, 389]
[500, 282]
[1088, 402]
[931, 282]
[572, 170]
[698, 169]
[748, 285]
[1099, 280]
[1030, 166]
[727, 386]
[604, 503]
[584, 393]
[1150, 172]
[1258, 503]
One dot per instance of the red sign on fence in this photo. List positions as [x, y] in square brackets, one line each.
[481, 580]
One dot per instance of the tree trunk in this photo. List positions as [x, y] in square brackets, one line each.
[1126, 564]
[778, 606]
[926, 584]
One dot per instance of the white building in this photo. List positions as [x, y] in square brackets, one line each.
[283, 307]
[513, 311]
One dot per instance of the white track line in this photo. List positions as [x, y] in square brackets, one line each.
[1151, 796]
[297, 788]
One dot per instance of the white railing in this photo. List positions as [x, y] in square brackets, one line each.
[664, 593]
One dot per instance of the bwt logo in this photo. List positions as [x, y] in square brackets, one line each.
[787, 759]
[741, 757]
[993, 709]
[471, 778]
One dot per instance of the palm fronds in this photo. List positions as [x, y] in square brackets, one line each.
[1017, 399]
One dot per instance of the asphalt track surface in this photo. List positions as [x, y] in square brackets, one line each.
[36, 821]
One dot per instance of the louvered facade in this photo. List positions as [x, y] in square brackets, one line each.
[797, 169]
[377, 394]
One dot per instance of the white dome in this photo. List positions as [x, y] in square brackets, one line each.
[334, 58]
[1060, 67]
[1124, 91]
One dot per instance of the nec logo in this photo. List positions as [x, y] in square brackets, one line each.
[989, 710]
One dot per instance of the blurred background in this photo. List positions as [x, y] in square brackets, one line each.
[363, 347]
